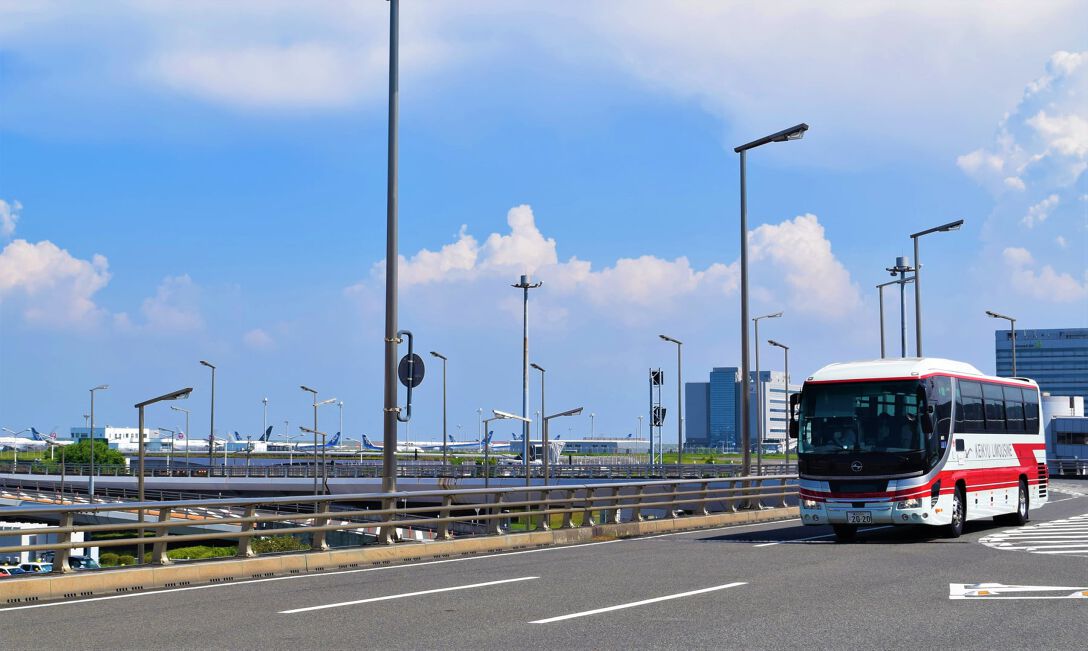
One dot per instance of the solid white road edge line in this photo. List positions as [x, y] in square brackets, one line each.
[402, 566]
[597, 611]
[406, 594]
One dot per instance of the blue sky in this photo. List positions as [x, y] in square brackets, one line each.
[203, 180]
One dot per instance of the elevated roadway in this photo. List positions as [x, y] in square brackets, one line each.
[762, 586]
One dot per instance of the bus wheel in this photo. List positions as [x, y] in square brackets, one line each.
[1019, 518]
[955, 528]
[845, 532]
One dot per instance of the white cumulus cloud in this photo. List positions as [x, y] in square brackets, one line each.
[1038, 213]
[174, 307]
[9, 217]
[1043, 284]
[49, 286]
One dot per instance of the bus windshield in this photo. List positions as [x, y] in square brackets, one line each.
[853, 417]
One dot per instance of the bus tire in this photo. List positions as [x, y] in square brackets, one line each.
[959, 512]
[1020, 517]
[845, 532]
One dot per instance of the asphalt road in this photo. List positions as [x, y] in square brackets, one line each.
[768, 586]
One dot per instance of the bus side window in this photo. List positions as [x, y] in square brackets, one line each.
[959, 406]
[940, 397]
[994, 400]
[971, 395]
[1014, 409]
[1031, 410]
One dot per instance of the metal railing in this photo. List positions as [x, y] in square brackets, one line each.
[1068, 467]
[487, 510]
[405, 469]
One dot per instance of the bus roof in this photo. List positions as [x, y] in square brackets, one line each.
[906, 367]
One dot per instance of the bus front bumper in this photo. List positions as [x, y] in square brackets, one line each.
[865, 513]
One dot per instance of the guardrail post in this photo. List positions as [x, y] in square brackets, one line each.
[674, 510]
[636, 509]
[245, 543]
[318, 543]
[785, 488]
[60, 557]
[443, 532]
[587, 512]
[612, 515]
[731, 500]
[543, 518]
[158, 550]
[704, 504]
[494, 523]
[387, 534]
[568, 517]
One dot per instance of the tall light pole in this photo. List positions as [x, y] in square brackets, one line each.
[786, 364]
[187, 436]
[90, 479]
[793, 133]
[264, 420]
[544, 438]
[340, 405]
[180, 394]
[445, 439]
[1012, 325]
[679, 401]
[760, 434]
[541, 411]
[943, 228]
[498, 415]
[524, 285]
[211, 432]
[389, 414]
[902, 266]
[592, 425]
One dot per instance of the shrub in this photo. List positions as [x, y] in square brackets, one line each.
[277, 544]
[108, 559]
[126, 559]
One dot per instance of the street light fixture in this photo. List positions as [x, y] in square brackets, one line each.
[544, 437]
[793, 133]
[180, 394]
[679, 400]
[760, 434]
[445, 444]
[786, 364]
[943, 228]
[1012, 323]
[498, 415]
[187, 435]
[540, 412]
[90, 479]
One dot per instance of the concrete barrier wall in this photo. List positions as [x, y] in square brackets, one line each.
[28, 590]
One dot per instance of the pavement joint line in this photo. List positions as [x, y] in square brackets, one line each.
[381, 567]
[826, 535]
[406, 594]
[597, 611]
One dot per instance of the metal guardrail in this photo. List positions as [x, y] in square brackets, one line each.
[491, 509]
[407, 470]
[1068, 467]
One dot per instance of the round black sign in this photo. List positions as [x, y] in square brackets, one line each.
[414, 366]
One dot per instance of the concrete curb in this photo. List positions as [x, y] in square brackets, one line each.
[28, 590]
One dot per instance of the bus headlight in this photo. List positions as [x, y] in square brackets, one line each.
[915, 503]
[810, 504]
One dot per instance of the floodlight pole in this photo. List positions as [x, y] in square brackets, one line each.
[524, 285]
[792, 133]
[445, 439]
[90, 479]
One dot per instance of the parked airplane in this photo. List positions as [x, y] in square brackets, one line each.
[259, 445]
[332, 443]
[50, 440]
[429, 446]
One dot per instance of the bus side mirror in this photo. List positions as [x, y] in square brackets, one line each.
[794, 429]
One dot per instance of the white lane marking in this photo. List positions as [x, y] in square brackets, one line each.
[152, 593]
[1065, 536]
[1001, 591]
[826, 535]
[597, 611]
[406, 594]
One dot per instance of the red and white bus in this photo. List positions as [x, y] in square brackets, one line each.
[917, 441]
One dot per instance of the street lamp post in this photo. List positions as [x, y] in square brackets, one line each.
[792, 133]
[541, 411]
[943, 228]
[445, 443]
[389, 379]
[498, 415]
[544, 439]
[902, 316]
[173, 435]
[524, 285]
[786, 364]
[187, 437]
[902, 266]
[1012, 325]
[211, 432]
[679, 401]
[592, 425]
[760, 434]
[180, 394]
[90, 479]
[264, 419]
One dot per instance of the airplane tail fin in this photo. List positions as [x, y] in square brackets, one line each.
[487, 439]
[630, 435]
[367, 444]
[334, 441]
[237, 436]
[267, 434]
[35, 434]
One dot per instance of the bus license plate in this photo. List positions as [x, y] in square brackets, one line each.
[859, 517]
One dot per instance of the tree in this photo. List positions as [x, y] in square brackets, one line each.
[103, 456]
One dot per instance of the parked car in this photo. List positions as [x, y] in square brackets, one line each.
[75, 562]
[8, 571]
[37, 567]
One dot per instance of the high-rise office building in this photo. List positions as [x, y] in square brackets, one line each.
[697, 414]
[713, 408]
[1056, 358]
